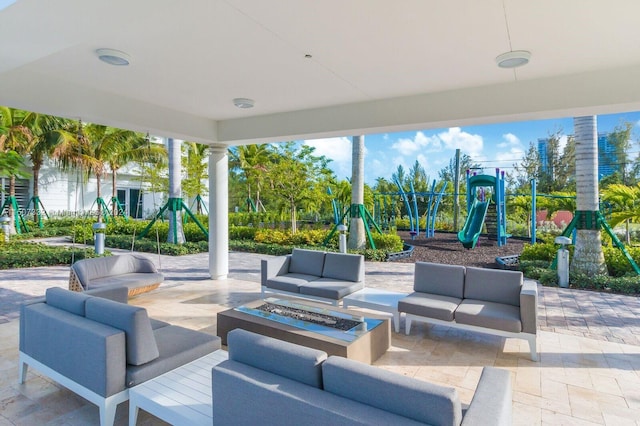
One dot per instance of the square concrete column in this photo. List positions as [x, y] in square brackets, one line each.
[218, 212]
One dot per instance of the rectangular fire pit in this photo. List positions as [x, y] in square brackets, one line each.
[333, 330]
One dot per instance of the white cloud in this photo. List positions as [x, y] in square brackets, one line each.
[420, 142]
[338, 150]
[454, 138]
[509, 140]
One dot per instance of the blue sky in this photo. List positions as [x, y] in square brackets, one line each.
[493, 145]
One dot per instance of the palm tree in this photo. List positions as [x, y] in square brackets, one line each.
[254, 161]
[50, 132]
[624, 199]
[357, 237]
[195, 163]
[176, 231]
[15, 136]
[588, 257]
[131, 147]
[92, 151]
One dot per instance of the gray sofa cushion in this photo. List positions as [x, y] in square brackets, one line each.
[66, 300]
[493, 285]
[429, 305]
[491, 402]
[418, 400]
[330, 288]
[342, 266]
[133, 320]
[309, 262]
[85, 351]
[434, 278]
[290, 282]
[177, 346]
[129, 280]
[245, 395]
[90, 269]
[286, 359]
[497, 316]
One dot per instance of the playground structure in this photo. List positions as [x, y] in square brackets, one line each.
[486, 205]
[410, 200]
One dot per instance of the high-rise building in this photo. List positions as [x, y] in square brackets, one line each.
[543, 154]
[607, 157]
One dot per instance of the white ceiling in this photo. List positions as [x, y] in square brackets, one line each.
[376, 66]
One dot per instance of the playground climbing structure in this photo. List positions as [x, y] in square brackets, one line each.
[486, 206]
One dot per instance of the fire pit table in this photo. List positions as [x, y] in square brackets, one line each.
[330, 329]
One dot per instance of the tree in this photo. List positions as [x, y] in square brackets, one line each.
[466, 163]
[253, 161]
[94, 149]
[131, 147]
[588, 256]
[357, 237]
[15, 136]
[195, 164]
[526, 169]
[176, 231]
[48, 135]
[418, 176]
[625, 203]
[295, 175]
[620, 138]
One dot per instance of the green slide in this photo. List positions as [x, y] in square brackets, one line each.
[469, 235]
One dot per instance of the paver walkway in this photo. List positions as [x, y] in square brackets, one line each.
[595, 315]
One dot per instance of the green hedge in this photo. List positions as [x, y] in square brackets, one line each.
[25, 255]
[535, 263]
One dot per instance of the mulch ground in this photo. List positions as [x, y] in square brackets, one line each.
[445, 248]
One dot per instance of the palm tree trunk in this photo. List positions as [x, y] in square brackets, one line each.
[12, 213]
[588, 257]
[357, 238]
[36, 177]
[294, 224]
[176, 232]
[114, 193]
[98, 194]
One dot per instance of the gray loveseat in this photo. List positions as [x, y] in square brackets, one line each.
[486, 300]
[268, 381]
[99, 348]
[133, 271]
[317, 275]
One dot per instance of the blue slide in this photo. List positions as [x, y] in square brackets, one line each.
[469, 235]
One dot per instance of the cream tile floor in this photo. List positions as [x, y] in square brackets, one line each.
[578, 381]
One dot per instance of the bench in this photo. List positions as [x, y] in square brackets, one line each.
[316, 275]
[491, 301]
[135, 272]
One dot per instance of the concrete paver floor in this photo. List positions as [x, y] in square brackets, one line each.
[589, 369]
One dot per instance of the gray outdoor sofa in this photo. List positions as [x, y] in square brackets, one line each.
[316, 275]
[99, 348]
[133, 271]
[486, 300]
[268, 381]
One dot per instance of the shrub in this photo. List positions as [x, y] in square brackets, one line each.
[544, 251]
[390, 243]
[25, 255]
[617, 263]
[242, 233]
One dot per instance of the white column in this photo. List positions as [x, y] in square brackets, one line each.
[218, 212]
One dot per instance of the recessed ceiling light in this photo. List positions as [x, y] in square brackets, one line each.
[513, 59]
[6, 3]
[243, 103]
[113, 57]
